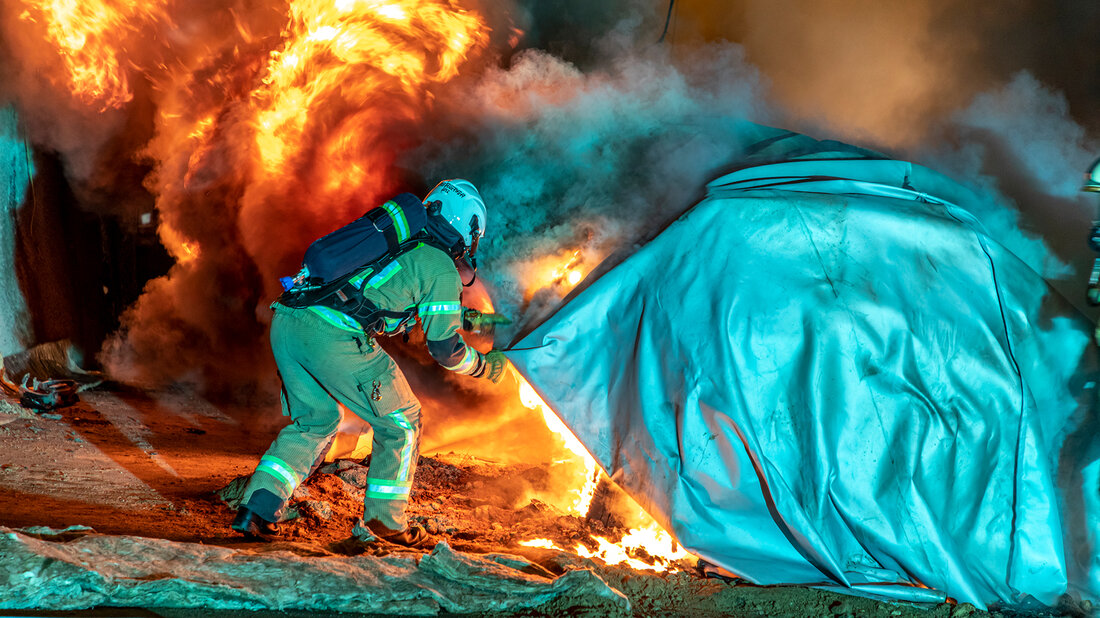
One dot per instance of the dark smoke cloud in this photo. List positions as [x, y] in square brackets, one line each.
[866, 69]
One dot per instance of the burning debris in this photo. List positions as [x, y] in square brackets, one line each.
[590, 475]
[474, 505]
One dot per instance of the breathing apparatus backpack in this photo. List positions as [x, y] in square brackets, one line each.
[335, 265]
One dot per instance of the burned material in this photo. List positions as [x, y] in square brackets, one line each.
[470, 503]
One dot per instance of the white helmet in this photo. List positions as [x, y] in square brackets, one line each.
[1092, 177]
[462, 207]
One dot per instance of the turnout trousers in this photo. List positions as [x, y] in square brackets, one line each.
[322, 365]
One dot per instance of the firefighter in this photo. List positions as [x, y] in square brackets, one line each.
[326, 358]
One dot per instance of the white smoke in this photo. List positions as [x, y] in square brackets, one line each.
[591, 161]
[594, 160]
[1018, 146]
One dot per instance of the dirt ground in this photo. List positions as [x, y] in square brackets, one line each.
[126, 461]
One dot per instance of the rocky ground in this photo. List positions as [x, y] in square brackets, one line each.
[159, 471]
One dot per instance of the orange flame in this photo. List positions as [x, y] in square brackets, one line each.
[543, 543]
[558, 273]
[86, 34]
[649, 537]
[569, 273]
[351, 52]
[566, 274]
[315, 109]
[178, 246]
[584, 493]
[202, 128]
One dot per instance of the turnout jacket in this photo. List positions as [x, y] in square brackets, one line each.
[421, 282]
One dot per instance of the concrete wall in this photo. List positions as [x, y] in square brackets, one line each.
[16, 170]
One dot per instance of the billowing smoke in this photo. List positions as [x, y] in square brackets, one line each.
[592, 158]
[263, 127]
[966, 88]
[1019, 146]
[590, 161]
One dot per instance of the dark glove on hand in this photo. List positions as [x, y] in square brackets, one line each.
[474, 321]
[495, 364]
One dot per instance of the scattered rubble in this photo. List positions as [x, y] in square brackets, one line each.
[472, 504]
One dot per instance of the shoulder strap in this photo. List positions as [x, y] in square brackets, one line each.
[345, 297]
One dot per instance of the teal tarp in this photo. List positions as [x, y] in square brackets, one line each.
[826, 372]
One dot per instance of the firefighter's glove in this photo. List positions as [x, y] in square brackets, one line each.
[495, 365]
[474, 321]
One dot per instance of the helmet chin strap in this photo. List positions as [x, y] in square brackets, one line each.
[471, 251]
[472, 279]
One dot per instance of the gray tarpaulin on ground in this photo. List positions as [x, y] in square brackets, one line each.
[77, 569]
[827, 372]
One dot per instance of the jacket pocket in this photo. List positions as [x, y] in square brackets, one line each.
[387, 391]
